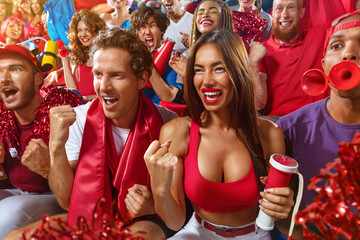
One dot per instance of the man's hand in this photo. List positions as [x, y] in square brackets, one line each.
[139, 201]
[37, 158]
[61, 118]
[257, 52]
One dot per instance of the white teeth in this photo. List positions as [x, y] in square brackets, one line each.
[109, 98]
[211, 96]
[212, 93]
[285, 23]
[206, 22]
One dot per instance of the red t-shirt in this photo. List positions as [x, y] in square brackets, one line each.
[284, 66]
[19, 175]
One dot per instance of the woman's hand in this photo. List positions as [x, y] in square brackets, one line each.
[277, 202]
[52, 77]
[161, 166]
[178, 63]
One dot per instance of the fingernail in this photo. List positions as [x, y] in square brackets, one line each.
[270, 190]
[261, 207]
[261, 194]
[167, 142]
[262, 178]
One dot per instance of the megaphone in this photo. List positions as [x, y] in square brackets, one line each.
[343, 76]
[48, 57]
[161, 57]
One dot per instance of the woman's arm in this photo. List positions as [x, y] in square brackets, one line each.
[165, 164]
[70, 73]
[279, 200]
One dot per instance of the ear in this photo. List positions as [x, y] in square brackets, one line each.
[302, 12]
[322, 63]
[38, 79]
[142, 80]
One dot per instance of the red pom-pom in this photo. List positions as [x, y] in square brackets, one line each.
[248, 25]
[336, 209]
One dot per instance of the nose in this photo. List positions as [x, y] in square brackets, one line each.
[351, 53]
[4, 76]
[206, 13]
[208, 79]
[147, 29]
[105, 83]
[284, 13]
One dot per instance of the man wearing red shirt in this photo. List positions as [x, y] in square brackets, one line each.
[294, 47]
[24, 153]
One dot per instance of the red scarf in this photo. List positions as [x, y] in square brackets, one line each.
[99, 166]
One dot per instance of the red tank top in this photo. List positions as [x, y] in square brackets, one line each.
[86, 78]
[215, 196]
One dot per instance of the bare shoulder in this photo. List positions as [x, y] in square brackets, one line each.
[105, 16]
[177, 130]
[272, 137]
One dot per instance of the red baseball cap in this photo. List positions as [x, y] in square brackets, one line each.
[14, 48]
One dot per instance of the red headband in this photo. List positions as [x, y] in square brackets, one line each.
[335, 28]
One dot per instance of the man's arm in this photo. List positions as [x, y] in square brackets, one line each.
[163, 90]
[61, 176]
[256, 54]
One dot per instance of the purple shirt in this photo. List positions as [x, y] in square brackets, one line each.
[312, 139]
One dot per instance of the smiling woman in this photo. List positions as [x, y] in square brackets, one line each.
[219, 152]
[13, 30]
[84, 26]
[36, 26]
[217, 15]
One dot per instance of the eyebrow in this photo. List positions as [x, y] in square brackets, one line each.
[16, 65]
[212, 65]
[209, 8]
[335, 36]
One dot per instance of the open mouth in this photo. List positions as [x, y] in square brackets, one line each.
[9, 93]
[85, 40]
[168, 5]
[149, 41]
[285, 23]
[206, 22]
[245, 1]
[109, 101]
[211, 96]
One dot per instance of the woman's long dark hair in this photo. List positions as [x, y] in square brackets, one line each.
[243, 114]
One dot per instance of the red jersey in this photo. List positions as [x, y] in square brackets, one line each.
[285, 65]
